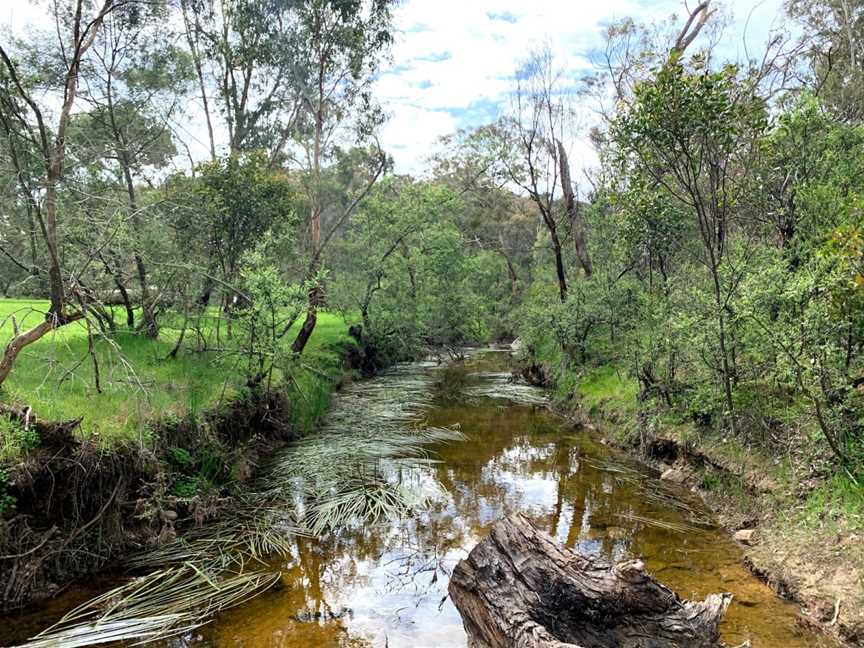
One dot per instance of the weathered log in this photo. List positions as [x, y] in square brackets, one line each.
[518, 588]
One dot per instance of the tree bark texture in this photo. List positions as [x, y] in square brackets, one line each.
[577, 227]
[518, 588]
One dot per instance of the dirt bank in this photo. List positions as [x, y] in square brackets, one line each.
[821, 572]
[71, 506]
[820, 567]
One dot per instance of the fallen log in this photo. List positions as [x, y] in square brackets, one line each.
[518, 588]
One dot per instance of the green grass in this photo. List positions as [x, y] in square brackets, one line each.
[56, 376]
[607, 387]
[321, 365]
[837, 504]
[604, 389]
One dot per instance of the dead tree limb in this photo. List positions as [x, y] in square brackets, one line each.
[577, 226]
[695, 22]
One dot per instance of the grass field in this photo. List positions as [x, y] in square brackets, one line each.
[56, 376]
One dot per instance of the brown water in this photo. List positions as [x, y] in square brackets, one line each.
[387, 585]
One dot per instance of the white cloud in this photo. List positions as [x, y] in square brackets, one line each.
[412, 131]
[19, 14]
[457, 56]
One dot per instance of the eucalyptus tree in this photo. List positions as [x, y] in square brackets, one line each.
[246, 55]
[342, 44]
[805, 307]
[246, 58]
[19, 235]
[833, 39]
[28, 132]
[493, 218]
[531, 139]
[135, 82]
[226, 209]
[694, 135]
[410, 271]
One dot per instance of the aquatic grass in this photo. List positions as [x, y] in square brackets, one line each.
[160, 605]
[623, 472]
[252, 534]
[653, 491]
[516, 392]
[345, 477]
[361, 500]
[663, 498]
[678, 527]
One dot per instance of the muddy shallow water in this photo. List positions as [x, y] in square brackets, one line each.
[386, 585]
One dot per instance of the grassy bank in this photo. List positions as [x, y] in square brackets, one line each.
[808, 516]
[138, 383]
[164, 443]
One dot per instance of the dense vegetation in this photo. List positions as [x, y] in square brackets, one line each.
[705, 280]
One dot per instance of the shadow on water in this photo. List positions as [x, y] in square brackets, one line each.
[387, 585]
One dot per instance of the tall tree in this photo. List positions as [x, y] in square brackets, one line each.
[694, 134]
[833, 36]
[343, 46]
[246, 56]
[135, 85]
[493, 217]
[534, 157]
[25, 125]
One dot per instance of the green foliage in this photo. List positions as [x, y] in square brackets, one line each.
[147, 386]
[7, 500]
[229, 207]
[187, 487]
[832, 35]
[266, 312]
[406, 267]
[196, 471]
[16, 439]
[699, 178]
[180, 457]
[837, 501]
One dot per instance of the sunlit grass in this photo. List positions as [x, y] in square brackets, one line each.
[56, 376]
[837, 504]
[607, 385]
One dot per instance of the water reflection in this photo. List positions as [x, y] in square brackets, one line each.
[386, 586]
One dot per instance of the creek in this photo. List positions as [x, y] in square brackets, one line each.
[385, 584]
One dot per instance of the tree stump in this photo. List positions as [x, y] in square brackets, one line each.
[519, 589]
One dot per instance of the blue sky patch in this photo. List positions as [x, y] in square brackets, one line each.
[504, 16]
[435, 57]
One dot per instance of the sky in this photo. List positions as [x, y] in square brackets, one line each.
[453, 60]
